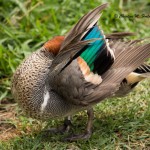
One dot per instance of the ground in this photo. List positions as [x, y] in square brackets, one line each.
[121, 123]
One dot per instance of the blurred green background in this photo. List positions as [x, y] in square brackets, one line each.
[26, 24]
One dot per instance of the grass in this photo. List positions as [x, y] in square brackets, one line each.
[121, 123]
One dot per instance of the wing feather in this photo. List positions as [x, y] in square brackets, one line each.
[125, 63]
[70, 47]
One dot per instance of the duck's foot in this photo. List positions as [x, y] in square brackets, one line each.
[67, 125]
[84, 136]
[88, 131]
[62, 129]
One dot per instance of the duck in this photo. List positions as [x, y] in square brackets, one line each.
[73, 73]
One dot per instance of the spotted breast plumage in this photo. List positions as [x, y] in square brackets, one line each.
[75, 72]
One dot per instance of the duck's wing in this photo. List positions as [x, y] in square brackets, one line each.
[73, 43]
[95, 61]
[127, 60]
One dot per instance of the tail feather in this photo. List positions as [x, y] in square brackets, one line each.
[143, 69]
[142, 72]
[145, 75]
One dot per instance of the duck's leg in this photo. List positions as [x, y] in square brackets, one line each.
[67, 124]
[61, 129]
[88, 132]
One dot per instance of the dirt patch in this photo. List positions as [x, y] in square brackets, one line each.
[14, 123]
[8, 119]
[8, 133]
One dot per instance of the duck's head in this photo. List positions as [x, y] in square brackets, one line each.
[54, 44]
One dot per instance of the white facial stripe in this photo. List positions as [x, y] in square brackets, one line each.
[46, 98]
